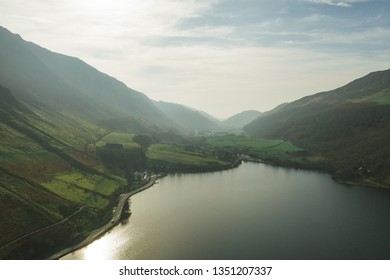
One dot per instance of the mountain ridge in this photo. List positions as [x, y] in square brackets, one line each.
[349, 125]
[44, 78]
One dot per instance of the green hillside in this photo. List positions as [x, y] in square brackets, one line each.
[49, 172]
[350, 126]
[56, 114]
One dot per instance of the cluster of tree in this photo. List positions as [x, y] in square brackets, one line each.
[143, 140]
[170, 136]
[161, 166]
[126, 161]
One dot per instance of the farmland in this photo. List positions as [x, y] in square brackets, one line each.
[258, 148]
[125, 139]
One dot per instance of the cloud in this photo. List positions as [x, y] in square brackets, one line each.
[238, 78]
[345, 3]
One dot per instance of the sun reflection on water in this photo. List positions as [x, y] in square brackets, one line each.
[100, 249]
[110, 246]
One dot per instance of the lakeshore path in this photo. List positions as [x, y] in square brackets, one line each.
[114, 221]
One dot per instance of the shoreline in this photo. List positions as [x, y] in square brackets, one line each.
[359, 182]
[95, 234]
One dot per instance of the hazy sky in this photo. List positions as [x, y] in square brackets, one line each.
[220, 56]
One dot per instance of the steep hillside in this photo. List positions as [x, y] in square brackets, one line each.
[44, 79]
[187, 118]
[350, 126]
[48, 170]
[54, 180]
[241, 119]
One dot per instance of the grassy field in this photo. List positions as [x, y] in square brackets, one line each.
[258, 147]
[89, 182]
[179, 155]
[84, 189]
[273, 151]
[382, 98]
[77, 195]
[125, 139]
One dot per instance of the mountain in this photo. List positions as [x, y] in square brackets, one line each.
[241, 119]
[350, 126]
[41, 79]
[57, 180]
[187, 118]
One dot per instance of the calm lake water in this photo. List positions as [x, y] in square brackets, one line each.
[255, 211]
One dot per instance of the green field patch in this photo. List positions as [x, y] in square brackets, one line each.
[76, 195]
[241, 141]
[125, 139]
[254, 144]
[280, 152]
[89, 182]
[84, 189]
[179, 155]
[257, 147]
[382, 98]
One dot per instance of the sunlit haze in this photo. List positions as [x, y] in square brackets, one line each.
[220, 56]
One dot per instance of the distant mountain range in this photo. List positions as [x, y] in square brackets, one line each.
[191, 119]
[349, 125]
[186, 118]
[66, 85]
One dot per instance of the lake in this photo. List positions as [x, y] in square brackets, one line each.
[255, 211]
